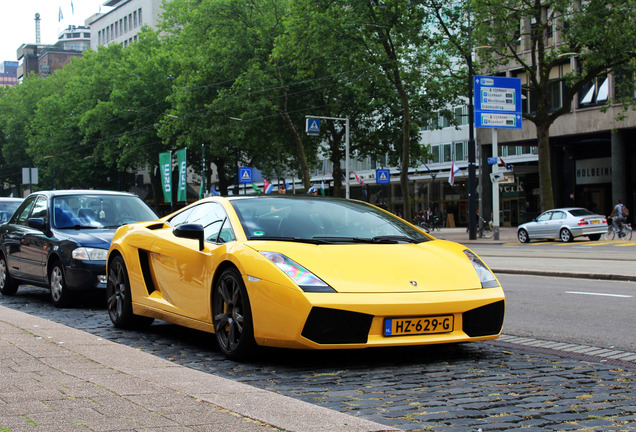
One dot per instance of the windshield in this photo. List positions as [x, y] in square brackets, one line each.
[324, 220]
[99, 211]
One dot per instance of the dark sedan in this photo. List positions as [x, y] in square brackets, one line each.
[60, 240]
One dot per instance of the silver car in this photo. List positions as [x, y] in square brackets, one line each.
[564, 224]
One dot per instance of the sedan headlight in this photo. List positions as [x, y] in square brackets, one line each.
[305, 279]
[487, 279]
[90, 254]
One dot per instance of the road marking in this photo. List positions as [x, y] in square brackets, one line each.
[599, 294]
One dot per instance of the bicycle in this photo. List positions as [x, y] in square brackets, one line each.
[624, 232]
[485, 229]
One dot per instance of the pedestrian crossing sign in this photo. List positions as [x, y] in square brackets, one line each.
[312, 126]
[383, 176]
[245, 175]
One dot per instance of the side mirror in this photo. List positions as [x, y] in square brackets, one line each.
[36, 223]
[190, 231]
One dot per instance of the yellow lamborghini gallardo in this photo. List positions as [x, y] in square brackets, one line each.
[300, 272]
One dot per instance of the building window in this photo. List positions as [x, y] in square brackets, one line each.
[446, 152]
[116, 30]
[125, 24]
[135, 19]
[140, 20]
[459, 151]
[595, 92]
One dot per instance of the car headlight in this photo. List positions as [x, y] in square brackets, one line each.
[487, 279]
[305, 279]
[90, 254]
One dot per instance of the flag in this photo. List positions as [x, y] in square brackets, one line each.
[214, 191]
[72, 8]
[60, 17]
[312, 189]
[501, 162]
[182, 194]
[267, 186]
[454, 170]
[358, 179]
[165, 169]
[434, 175]
[256, 188]
[322, 187]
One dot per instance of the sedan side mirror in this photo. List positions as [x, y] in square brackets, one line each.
[190, 231]
[36, 223]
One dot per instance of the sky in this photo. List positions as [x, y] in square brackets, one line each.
[17, 21]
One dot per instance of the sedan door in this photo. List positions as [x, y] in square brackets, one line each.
[539, 228]
[13, 239]
[555, 223]
[36, 244]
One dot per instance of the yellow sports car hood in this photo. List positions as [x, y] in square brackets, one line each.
[379, 268]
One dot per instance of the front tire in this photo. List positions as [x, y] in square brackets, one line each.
[8, 286]
[232, 316]
[60, 296]
[609, 235]
[523, 236]
[119, 298]
[565, 235]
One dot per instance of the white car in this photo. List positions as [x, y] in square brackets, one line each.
[564, 224]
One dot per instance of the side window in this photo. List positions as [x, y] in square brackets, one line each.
[544, 217]
[22, 214]
[212, 217]
[40, 209]
[558, 215]
[181, 218]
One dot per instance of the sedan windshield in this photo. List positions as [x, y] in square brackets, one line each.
[99, 211]
[322, 220]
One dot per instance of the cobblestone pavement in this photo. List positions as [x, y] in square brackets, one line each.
[466, 387]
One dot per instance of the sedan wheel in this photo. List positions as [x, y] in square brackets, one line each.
[7, 285]
[566, 235]
[232, 316]
[57, 284]
[119, 299]
[522, 235]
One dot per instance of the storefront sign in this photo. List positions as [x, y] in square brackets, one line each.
[593, 171]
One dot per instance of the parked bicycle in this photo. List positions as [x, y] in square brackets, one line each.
[484, 230]
[436, 224]
[624, 232]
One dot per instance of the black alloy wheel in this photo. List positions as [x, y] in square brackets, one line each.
[119, 299]
[232, 316]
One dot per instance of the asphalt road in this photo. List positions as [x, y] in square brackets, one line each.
[579, 311]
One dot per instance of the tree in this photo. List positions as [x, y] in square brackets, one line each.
[388, 70]
[596, 32]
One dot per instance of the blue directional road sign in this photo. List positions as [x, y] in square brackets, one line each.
[245, 175]
[497, 102]
[312, 127]
[382, 176]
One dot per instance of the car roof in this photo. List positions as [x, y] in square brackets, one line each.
[67, 192]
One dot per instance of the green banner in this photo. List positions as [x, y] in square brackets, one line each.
[165, 168]
[182, 194]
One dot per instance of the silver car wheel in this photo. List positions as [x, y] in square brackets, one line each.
[57, 284]
[566, 235]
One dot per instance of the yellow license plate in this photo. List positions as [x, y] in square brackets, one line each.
[418, 325]
[596, 221]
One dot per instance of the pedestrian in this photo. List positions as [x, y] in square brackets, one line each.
[621, 213]
[282, 188]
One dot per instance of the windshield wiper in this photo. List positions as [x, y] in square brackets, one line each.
[291, 239]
